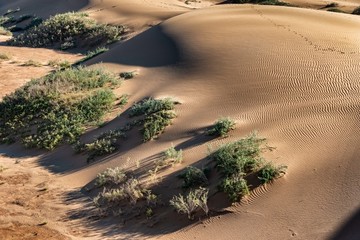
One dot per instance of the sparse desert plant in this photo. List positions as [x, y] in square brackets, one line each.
[31, 63]
[190, 203]
[269, 172]
[151, 105]
[69, 30]
[59, 65]
[133, 190]
[128, 75]
[4, 56]
[222, 127]
[112, 176]
[193, 177]
[235, 186]
[356, 11]
[173, 156]
[4, 31]
[56, 108]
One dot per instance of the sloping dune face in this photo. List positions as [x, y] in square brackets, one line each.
[293, 75]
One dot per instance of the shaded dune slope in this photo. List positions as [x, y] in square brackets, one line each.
[290, 73]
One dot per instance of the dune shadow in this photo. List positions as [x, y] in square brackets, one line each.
[151, 48]
[350, 230]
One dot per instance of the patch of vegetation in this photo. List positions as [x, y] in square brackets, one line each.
[91, 54]
[56, 108]
[128, 75]
[331, 5]
[356, 11]
[105, 144]
[157, 114]
[191, 203]
[59, 65]
[193, 177]
[4, 56]
[111, 176]
[4, 31]
[261, 2]
[240, 159]
[222, 127]
[31, 63]
[173, 156]
[67, 31]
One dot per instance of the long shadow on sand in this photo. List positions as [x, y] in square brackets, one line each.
[350, 230]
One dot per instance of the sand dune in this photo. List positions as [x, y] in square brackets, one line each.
[292, 74]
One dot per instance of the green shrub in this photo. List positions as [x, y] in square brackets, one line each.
[356, 11]
[173, 156]
[192, 202]
[127, 75]
[157, 116]
[269, 172]
[235, 186]
[68, 30]
[111, 176]
[56, 108]
[222, 127]
[193, 177]
[59, 65]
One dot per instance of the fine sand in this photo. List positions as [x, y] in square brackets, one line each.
[292, 74]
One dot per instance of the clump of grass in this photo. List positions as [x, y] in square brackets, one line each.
[111, 176]
[91, 54]
[127, 75]
[69, 30]
[59, 65]
[240, 159]
[157, 114]
[193, 177]
[356, 11]
[31, 63]
[222, 127]
[4, 31]
[105, 144]
[173, 156]
[269, 172]
[4, 56]
[191, 203]
[56, 108]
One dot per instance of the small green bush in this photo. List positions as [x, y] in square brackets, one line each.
[127, 75]
[151, 105]
[222, 127]
[68, 30]
[356, 11]
[193, 177]
[173, 156]
[111, 176]
[235, 186]
[269, 172]
[192, 202]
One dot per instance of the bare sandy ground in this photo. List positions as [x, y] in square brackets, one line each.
[292, 74]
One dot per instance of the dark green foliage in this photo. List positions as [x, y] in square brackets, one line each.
[222, 127]
[157, 116]
[127, 75]
[193, 177]
[235, 186]
[68, 30]
[237, 160]
[270, 172]
[56, 108]
[356, 11]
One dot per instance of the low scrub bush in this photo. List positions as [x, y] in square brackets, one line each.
[157, 114]
[31, 63]
[238, 160]
[222, 127]
[4, 31]
[173, 156]
[56, 108]
[111, 176]
[69, 30]
[193, 177]
[127, 75]
[59, 65]
[192, 202]
[356, 11]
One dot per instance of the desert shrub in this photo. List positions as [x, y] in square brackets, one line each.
[269, 172]
[105, 144]
[68, 30]
[91, 54]
[4, 56]
[193, 177]
[222, 127]
[356, 11]
[331, 5]
[110, 176]
[31, 63]
[127, 75]
[191, 203]
[56, 108]
[4, 31]
[173, 156]
[157, 116]
[235, 186]
[59, 65]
